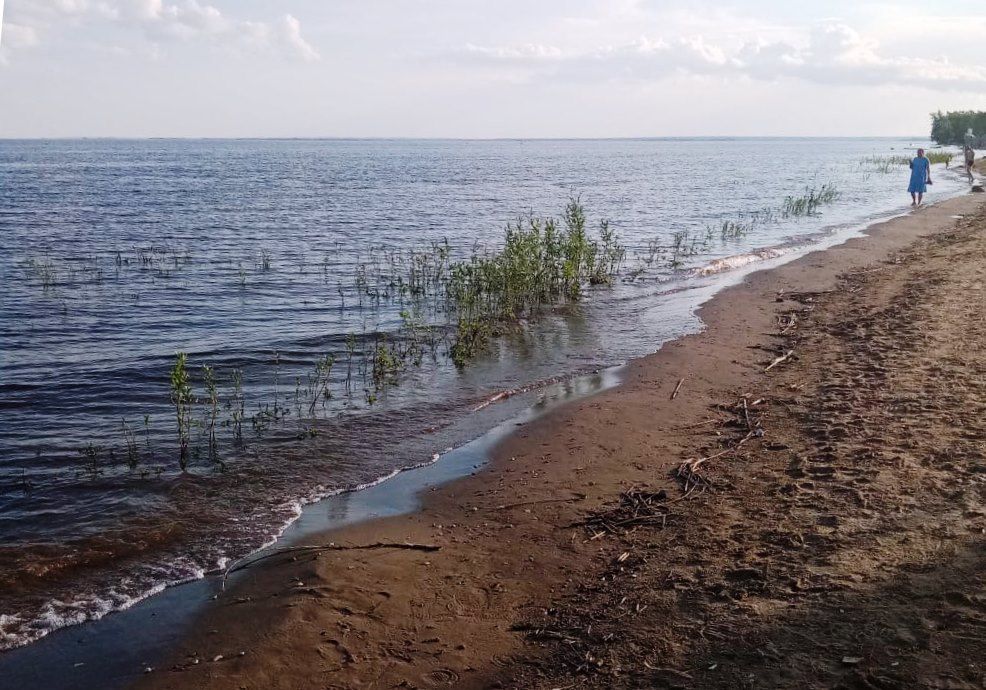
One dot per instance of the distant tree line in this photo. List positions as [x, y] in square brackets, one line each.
[953, 128]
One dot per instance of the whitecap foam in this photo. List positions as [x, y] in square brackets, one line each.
[730, 263]
[153, 578]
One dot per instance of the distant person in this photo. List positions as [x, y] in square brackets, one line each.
[970, 161]
[920, 178]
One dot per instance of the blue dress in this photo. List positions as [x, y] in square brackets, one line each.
[919, 176]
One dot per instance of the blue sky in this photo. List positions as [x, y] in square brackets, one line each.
[494, 68]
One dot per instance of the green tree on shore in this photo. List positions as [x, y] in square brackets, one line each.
[951, 128]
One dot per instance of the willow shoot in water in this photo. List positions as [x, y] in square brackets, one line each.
[212, 396]
[181, 398]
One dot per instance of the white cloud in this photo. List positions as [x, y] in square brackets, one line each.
[18, 36]
[828, 53]
[167, 22]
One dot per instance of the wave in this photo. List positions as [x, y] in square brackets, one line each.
[148, 579]
[731, 263]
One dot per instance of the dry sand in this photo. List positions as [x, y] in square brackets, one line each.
[841, 544]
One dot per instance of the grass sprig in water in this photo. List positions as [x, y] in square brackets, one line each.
[541, 263]
[807, 204]
[181, 398]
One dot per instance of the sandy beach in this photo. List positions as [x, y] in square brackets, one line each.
[793, 497]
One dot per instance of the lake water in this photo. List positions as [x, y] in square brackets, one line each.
[258, 258]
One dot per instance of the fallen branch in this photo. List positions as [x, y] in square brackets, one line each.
[676, 389]
[782, 358]
[692, 426]
[792, 322]
[243, 563]
[636, 507]
[688, 470]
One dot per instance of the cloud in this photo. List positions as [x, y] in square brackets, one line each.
[18, 36]
[837, 54]
[828, 53]
[184, 21]
[284, 34]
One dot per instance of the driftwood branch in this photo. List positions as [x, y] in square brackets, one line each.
[696, 424]
[676, 389]
[688, 470]
[792, 322]
[782, 358]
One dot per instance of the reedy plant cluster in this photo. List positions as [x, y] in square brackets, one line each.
[685, 244]
[447, 306]
[807, 204]
[181, 398]
[889, 164]
[542, 263]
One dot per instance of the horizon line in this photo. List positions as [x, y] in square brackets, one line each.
[439, 138]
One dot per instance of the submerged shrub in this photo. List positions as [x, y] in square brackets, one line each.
[807, 204]
[541, 264]
[181, 398]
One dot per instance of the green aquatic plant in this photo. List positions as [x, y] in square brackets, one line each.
[277, 377]
[733, 229]
[181, 398]
[130, 440]
[350, 353]
[679, 240]
[807, 203]
[147, 437]
[385, 366]
[888, 164]
[212, 412]
[885, 164]
[939, 157]
[610, 256]
[471, 337]
[318, 382]
[541, 264]
[91, 460]
[45, 271]
[307, 432]
[416, 337]
[237, 404]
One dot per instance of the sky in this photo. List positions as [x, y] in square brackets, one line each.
[486, 68]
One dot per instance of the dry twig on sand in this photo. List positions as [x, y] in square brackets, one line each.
[676, 389]
[782, 358]
[688, 471]
[636, 507]
[792, 321]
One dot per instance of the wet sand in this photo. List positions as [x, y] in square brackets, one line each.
[834, 537]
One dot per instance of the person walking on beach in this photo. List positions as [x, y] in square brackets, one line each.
[970, 160]
[920, 178]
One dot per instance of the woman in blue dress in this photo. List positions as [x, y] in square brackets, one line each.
[920, 178]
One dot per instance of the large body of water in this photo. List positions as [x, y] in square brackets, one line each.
[259, 258]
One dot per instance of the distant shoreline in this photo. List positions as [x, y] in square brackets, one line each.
[724, 137]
